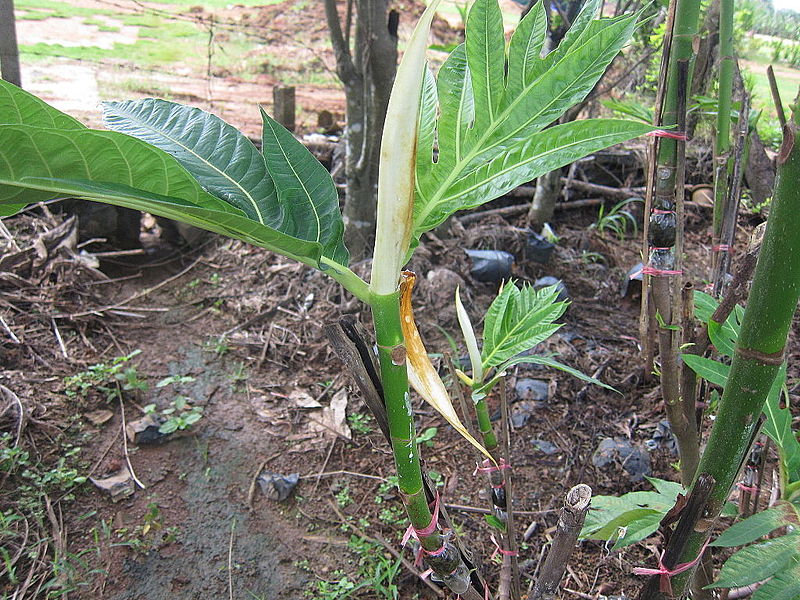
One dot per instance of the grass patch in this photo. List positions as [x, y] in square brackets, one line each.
[218, 3]
[32, 9]
[787, 78]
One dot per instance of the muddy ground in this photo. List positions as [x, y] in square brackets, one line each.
[247, 326]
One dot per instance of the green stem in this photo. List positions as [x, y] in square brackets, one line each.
[722, 145]
[760, 347]
[485, 425]
[349, 280]
[391, 351]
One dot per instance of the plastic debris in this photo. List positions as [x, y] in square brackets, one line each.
[545, 447]
[539, 248]
[634, 459]
[521, 412]
[145, 430]
[663, 438]
[98, 417]
[532, 389]
[276, 486]
[632, 284]
[490, 266]
[542, 282]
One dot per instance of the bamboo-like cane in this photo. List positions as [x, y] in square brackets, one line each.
[570, 522]
[722, 144]
[760, 347]
[664, 228]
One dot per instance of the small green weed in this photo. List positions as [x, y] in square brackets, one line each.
[359, 423]
[217, 345]
[179, 415]
[343, 497]
[107, 378]
[175, 380]
[31, 489]
[151, 534]
[393, 516]
[617, 220]
[426, 437]
[589, 258]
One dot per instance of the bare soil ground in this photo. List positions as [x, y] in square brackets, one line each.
[247, 326]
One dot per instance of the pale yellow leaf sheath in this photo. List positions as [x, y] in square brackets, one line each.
[421, 374]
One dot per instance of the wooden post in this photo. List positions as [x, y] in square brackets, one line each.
[283, 106]
[9, 51]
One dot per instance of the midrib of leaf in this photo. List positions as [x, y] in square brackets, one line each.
[300, 181]
[517, 165]
[478, 148]
[16, 106]
[215, 168]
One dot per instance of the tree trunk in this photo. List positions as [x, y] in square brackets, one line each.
[548, 189]
[9, 51]
[367, 72]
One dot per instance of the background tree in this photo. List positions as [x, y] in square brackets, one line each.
[364, 42]
[9, 52]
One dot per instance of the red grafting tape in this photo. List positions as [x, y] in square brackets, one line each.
[499, 550]
[488, 467]
[665, 585]
[746, 488]
[721, 248]
[658, 211]
[660, 248]
[417, 533]
[674, 135]
[652, 271]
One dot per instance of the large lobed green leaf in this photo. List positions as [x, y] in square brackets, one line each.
[756, 526]
[760, 561]
[491, 131]
[284, 188]
[205, 175]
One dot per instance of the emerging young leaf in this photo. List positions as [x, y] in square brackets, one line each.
[491, 131]
[517, 320]
[469, 337]
[399, 144]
